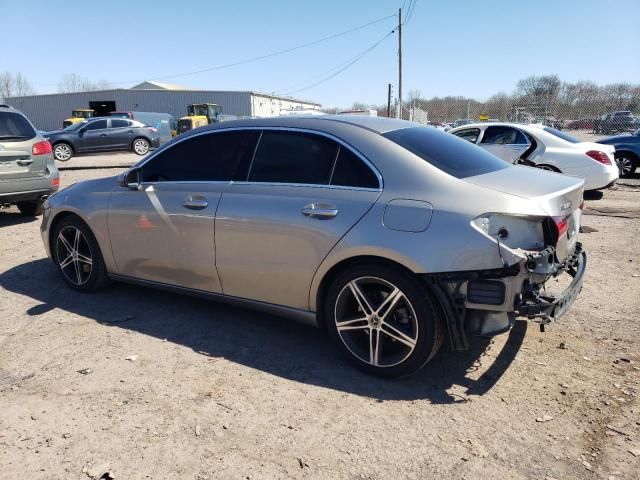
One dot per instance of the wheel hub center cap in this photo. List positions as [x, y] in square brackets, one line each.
[374, 321]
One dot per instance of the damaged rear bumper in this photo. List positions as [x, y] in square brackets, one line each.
[544, 307]
[486, 303]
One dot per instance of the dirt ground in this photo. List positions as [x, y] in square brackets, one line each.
[132, 383]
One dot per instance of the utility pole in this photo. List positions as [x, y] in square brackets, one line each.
[389, 102]
[399, 113]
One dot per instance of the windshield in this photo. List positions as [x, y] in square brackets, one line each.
[75, 126]
[564, 136]
[447, 152]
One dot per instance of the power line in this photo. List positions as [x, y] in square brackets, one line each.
[342, 67]
[252, 59]
[410, 10]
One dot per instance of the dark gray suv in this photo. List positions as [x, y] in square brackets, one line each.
[28, 173]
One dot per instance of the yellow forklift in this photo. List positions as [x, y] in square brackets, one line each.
[199, 114]
[78, 115]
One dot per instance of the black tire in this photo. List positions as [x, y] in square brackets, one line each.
[627, 163]
[414, 317]
[62, 151]
[140, 146]
[30, 209]
[88, 281]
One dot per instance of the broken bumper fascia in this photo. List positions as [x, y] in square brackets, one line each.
[543, 307]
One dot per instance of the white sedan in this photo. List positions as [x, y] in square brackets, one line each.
[546, 148]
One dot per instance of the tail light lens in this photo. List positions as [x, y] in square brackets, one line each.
[599, 157]
[562, 225]
[55, 182]
[41, 148]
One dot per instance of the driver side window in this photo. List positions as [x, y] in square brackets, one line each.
[97, 125]
[203, 158]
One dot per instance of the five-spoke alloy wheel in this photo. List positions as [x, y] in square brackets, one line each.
[383, 319]
[77, 255]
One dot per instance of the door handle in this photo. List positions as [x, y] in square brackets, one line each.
[103, 134]
[24, 161]
[320, 210]
[195, 202]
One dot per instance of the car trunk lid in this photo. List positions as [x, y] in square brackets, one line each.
[558, 195]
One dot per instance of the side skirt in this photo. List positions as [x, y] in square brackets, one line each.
[303, 316]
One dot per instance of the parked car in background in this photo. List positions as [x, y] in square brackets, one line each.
[627, 152]
[352, 223]
[623, 121]
[165, 123]
[546, 148]
[103, 134]
[461, 121]
[28, 173]
[582, 124]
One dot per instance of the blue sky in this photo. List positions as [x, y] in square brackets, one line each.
[466, 47]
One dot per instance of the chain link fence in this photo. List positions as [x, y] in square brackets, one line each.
[583, 109]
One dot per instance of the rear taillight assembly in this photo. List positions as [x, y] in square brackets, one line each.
[41, 148]
[599, 157]
[562, 225]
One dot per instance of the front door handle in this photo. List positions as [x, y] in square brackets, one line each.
[195, 202]
[320, 210]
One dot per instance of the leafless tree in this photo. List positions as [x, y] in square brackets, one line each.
[72, 82]
[14, 85]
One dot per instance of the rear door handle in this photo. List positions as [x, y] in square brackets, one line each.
[320, 210]
[195, 202]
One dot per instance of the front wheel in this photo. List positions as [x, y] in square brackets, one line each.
[77, 255]
[141, 146]
[383, 320]
[626, 164]
[62, 152]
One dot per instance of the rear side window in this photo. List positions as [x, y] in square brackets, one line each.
[350, 171]
[446, 152]
[117, 123]
[503, 136]
[15, 128]
[293, 157]
[202, 158]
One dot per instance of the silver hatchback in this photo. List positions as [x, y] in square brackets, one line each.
[28, 173]
[391, 236]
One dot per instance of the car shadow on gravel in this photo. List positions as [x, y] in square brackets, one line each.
[8, 218]
[271, 344]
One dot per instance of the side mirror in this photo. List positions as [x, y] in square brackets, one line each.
[130, 179]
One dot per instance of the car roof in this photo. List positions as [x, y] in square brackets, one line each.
[375, 124]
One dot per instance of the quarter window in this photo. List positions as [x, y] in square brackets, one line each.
[97, 125]
[503, 136]
[293, 157]
[350, 171]
[209, 157]
[469, 134]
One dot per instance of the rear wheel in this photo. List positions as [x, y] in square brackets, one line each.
[77, 255]
[626, 164]
[140, 146]
[382, 320]
[30, 209]
[62, 152]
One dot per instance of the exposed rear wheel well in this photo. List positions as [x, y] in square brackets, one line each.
[340, 267]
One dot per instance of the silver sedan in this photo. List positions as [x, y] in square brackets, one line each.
[390, 236]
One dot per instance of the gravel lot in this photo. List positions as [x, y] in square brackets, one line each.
[146, 384]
